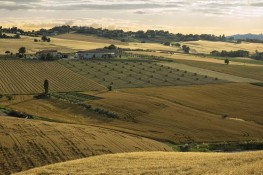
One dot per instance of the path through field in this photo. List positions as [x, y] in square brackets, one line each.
[211, 73]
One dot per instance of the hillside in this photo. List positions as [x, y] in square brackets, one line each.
[159, 163]
[175, 114]
[27, 77]
[27, 144]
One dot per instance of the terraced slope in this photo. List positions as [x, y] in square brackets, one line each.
[159, 163]
[27, 144]
[27, 77]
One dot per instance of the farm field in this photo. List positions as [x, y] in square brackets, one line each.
[69, 43]
[159, 163]
[27, 77]
[159, 114]
[240, 101]
[191, 57]
[241, 71]
[128, 74]
[208, 46]
[28, 144]
[230, 76]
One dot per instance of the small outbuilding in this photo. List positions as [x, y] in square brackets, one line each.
[97, 53]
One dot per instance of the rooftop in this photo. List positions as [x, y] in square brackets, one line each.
[97, 51]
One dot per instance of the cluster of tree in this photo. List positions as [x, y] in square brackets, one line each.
[150, 35]
[257, 56]
[3, 35]
[21, 52]
[186, 49]
[47, 57]
[17, 31]
[111, 47]
[44, 39]
[223, 53]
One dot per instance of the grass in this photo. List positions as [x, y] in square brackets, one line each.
[160, 163]
[129, 74]
[28, 143]
[27, 77]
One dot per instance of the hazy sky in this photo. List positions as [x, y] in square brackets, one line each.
[189, 16]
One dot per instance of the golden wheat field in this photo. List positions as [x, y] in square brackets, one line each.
[208, 46]
[249, 163]
[196, 58]
[176, 114]
[28, 143]
[27, 77]
[70, 43]
[255, 73]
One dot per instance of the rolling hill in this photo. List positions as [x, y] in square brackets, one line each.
[27, 77]
[159, 163]
[28, 143]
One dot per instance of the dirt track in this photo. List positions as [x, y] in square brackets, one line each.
[211, 73]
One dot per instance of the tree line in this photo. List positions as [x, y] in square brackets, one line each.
[224, 53]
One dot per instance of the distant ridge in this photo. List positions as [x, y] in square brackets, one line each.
[248, 36]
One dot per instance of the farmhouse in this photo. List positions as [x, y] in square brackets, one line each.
[47, 53]
[98, 53]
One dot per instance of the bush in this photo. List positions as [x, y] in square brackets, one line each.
[109, 88]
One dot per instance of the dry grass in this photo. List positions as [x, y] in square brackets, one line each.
[70, 43]
[160, 163]
[209, 46]
[241, 71]
[196, 58]
[26, 77]
[232, 75]
[177, 114]
[241, 101]
[27, 144]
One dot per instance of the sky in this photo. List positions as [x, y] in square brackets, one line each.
[178, 16]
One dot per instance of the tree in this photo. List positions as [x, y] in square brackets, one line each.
[227, 61]
[46, 87]
[44, 38]
[35, 40]
[7, 52]
[167, 44]
[22, 51]
[112, 47]
[48, 40]
[186, 49]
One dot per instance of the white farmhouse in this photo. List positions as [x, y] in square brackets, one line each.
[98, 53]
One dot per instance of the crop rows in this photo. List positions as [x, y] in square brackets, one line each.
[26, 144]
[126, 74]
[27, 77]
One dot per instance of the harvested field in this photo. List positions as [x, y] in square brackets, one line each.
[236, 100]
[26, 144]
[128, 74]
[208, 46]
[207, 71]
[191, 57]
[175, 114]
[27, 77]
[255, 73]
[159, 163]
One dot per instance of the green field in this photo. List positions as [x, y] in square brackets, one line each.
[129, 74]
